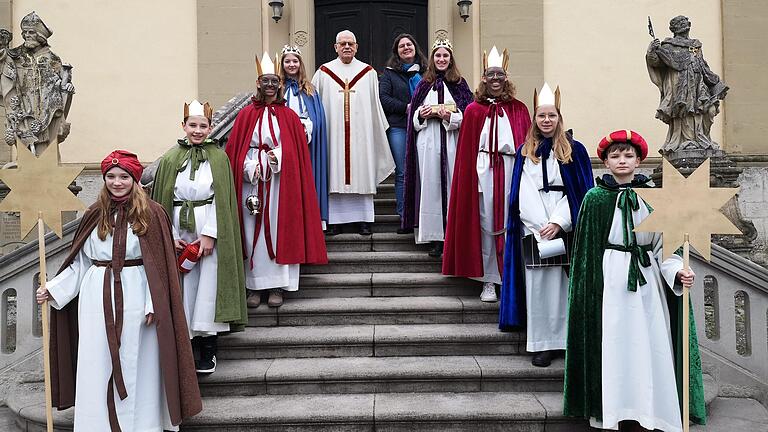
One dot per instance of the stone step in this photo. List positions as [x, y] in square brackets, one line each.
[370, 341]
[385, 205]
[378, 242]
[365, 412]
[347, 375]
[382, 285]
[375, 310]
[382, 223]
[376, 262]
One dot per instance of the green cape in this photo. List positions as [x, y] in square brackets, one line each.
[230, 295]
[583, 367]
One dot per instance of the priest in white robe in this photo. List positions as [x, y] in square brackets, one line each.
[358, 150]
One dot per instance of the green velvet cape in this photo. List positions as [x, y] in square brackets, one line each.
[230, 295]
[583, 364]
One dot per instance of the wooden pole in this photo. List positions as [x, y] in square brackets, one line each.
[686, 338]
[46, 329]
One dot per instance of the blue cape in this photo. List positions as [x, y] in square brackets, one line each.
[318, 146]
[577, 179]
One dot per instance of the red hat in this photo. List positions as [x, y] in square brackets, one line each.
[623, 136]
[125, 160]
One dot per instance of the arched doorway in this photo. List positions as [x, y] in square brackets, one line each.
[375, 24]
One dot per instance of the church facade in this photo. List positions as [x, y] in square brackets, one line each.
[136, 62]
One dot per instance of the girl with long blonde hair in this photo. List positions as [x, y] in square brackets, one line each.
[552, 173]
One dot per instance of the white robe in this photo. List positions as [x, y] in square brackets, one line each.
[506, 146]
[295, 103]
[266, 273]
[546, 288]
[638, 371]
[428, 145]
[145, 409]
[200, 285]
[370, 157]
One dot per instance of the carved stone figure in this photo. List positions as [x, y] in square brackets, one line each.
[35, 88]
[690, 91]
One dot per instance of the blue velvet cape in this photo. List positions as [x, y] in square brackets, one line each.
[577, 179]
[318, 146]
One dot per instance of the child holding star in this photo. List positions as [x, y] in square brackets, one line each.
[624, 355]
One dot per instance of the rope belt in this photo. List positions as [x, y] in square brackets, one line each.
[553, 188]
[496, 152]
[187, 212]
[114, 327]
[639, 257]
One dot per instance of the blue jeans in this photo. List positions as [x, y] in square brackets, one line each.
[396, 137]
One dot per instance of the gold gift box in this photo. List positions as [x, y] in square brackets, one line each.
[450, 107]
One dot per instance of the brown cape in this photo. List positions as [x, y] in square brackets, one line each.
[176, 360]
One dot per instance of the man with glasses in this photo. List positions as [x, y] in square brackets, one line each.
[493, 127]
[358, 151]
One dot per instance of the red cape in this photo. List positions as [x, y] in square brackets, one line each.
[300, 238]
[462, 255]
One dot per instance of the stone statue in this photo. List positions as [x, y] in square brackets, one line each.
[690, 91]
[35, 88]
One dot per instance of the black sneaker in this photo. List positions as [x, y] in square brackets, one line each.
[365, 228]
[206, 366]
[437, 250]
[208, 348]
[333, 230]
[543, 358]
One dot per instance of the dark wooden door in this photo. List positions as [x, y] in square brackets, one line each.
[375, 23]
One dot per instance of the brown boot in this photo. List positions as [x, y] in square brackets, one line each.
[275, 298]
[254, 299]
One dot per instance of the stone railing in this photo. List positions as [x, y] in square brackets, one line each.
[730, 300]
[20, 326]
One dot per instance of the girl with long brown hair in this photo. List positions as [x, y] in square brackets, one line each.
[435, 116]
[120, 276]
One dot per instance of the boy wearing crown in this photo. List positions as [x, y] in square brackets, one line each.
[623, 362]
[195, 186]
[494, 125]
[278, 209]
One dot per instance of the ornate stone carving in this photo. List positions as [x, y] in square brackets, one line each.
[441, 34]
[690, 92]
[300, 38]
[35, 88]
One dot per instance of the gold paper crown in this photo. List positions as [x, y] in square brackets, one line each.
[494, 59]
[546, 97]
[266, 66]
[195, 108]
[291, 49]
[442, 43]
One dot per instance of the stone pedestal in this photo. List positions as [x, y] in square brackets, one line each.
[724, 173]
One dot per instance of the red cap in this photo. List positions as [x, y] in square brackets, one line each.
[623, 136]
[125, 160]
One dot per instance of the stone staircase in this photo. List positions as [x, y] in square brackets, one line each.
[377, 340]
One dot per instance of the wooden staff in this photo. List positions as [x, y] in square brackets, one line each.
[686, 337]
[46, 329]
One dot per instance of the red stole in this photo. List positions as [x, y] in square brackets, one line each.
[346, 88]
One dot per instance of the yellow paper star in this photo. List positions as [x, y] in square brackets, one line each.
[39, 185]
[687, 205]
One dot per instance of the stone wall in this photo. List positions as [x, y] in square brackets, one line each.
[753, 203]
